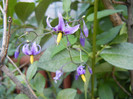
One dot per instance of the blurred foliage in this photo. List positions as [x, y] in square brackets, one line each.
[112, 49]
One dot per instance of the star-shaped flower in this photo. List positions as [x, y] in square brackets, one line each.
[61, 28]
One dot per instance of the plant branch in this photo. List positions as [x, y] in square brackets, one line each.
[119, 2]
[27, 83]
[113, 75]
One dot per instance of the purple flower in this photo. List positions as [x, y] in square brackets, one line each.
[59, 73]
[16, 53]
[80, 71]
[32, 49]
[61, 28]
[82, 39]
[85, 29]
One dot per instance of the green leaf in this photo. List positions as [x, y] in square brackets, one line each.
[24, 9]
[39, 83]
[63, 44]
[105, 67]
[102, 14]
[11, 5]
[31, 70]
[67, 94]
[105, 92]
[107, 36]
[66, 5]
[120, 55]
[41, 9]
[21, 96]
[52, 64]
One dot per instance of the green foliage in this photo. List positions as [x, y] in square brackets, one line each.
[24, 9]
[67, 94]
[31, 71]
[39, 83]
[102, 14]
[105, 92]
[52, 64]
[120, 55]
[21, 96]
[106, 37]
[66, 5]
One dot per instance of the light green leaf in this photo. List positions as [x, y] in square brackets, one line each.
[24, 9]
[21, 96]
[67, 94]
[63, 44]
[105, 92]
[39, 83]
[52, 64]
[66, 5]
[120, 55]
[107, 36]
[102, 14]
[31, 70]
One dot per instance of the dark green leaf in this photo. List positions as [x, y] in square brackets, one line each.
[74, 5]
[11, 5]
[24, 9]
[39, 83]
[67, 94]
[106, 37]
[120, 55]
[41, 9]
[102, 14]
[105, 92]
[52, 64]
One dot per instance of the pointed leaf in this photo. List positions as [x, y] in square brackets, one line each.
[24, 9]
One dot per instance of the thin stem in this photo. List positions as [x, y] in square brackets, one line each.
[27, 83]
[1, 9]
[54, 89]
[94, 47]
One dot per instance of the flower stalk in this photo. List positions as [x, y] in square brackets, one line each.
[94, 47]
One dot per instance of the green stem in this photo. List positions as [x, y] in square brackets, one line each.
[54, 89]
[94, 47]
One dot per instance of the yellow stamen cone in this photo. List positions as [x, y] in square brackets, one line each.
[31, 59]
[83, 77]
[59, 38]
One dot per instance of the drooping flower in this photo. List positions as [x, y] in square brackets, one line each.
[80, 72]
[82, 37]
[61, 28]
[31, 50]
[59, 73]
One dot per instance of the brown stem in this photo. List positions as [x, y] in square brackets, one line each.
[115, 18]
[113, 75]
[119, 2]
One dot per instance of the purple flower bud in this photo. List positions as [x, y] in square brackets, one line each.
[82, 39]
[32, 49]
[80, 71]
[59, 73]
[90, 70]
[85, 29]
[16, 53]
